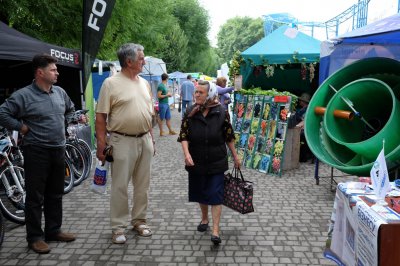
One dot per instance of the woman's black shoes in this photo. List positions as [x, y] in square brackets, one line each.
[202, 227]
[215, 239]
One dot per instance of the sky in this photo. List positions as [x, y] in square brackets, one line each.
[304, 10]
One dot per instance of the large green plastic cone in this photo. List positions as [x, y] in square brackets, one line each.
[367, 96]
[323, 147]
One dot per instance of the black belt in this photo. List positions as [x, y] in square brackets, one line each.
[129, 135]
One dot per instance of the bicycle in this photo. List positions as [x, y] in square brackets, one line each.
[2, 230]
[69, 177]
[12, 180]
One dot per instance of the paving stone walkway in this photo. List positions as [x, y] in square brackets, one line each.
[288, 226]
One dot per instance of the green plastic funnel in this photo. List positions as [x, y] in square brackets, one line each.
[365, 133]
[336, 144]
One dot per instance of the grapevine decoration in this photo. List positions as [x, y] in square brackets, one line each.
[254, 127]
[278, 148]
[303, 71]
[269, 71]
[312, 70]
[283, 114]
[266, 111]
[276, 164]
[268, 146]
[273, 111]
[257, 70]
[252, 140]
[263, 127]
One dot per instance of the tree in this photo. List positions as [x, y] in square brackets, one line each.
[56, 22]
[207, 62]
[194, 21]
[143, 22]
[175, 51]
[238, 34]
[175, 30]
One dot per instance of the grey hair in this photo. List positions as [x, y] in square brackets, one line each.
[128, 51]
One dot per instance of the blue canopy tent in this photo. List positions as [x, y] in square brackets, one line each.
[178, 76]
[288, 48]
[378, 39]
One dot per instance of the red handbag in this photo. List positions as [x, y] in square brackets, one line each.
[238, 193]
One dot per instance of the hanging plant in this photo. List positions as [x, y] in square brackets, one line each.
[303, 71]
[269, 71]
[234, 66]
[312, 70]
[257, 70]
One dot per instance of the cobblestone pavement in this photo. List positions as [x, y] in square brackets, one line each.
[288, 226]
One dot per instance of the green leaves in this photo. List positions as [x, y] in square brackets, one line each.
[238, 34]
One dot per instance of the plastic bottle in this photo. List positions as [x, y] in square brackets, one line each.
[99, 183]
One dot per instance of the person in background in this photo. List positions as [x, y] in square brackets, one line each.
[163, 106]
[125, 110]
[305, 152]
[187, 94]
[38, 112]
[223, 92]
[205, 132]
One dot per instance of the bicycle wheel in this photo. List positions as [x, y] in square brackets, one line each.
[75, 157]
[69, 177]
[1, 230]
[88, 155]
[12, 200]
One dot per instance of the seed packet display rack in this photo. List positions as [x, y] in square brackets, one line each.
[260, 126]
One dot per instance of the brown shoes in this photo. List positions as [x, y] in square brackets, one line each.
[40, 247]
[62, 237]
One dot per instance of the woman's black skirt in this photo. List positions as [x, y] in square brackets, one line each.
[207, 189]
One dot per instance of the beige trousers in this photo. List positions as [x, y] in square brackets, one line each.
[132, 162]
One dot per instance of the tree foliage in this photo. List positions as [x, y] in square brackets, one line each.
[238, 34]
[174, 52]
[207, 63]
[194, 21]
[56, 22]
[174, 30]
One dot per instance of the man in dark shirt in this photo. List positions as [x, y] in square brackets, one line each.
[305, 152]
[38, 113]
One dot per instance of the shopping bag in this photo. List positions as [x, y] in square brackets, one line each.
[238, 193]
[99, 183]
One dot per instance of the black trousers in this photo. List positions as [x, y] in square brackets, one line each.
[44, 183]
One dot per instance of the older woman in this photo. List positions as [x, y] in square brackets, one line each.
[224, 97]
[205, 132]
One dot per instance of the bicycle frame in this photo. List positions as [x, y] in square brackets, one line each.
[18, 179]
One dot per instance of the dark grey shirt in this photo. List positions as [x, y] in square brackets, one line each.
[44, 114]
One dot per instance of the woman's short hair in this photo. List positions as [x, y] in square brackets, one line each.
[221, 81]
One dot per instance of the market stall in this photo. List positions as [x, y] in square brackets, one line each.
[286, 60]
[16, 53]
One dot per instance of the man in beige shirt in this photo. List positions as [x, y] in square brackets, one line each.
[125, 110]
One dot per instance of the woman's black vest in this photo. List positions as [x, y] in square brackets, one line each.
[207, 142]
